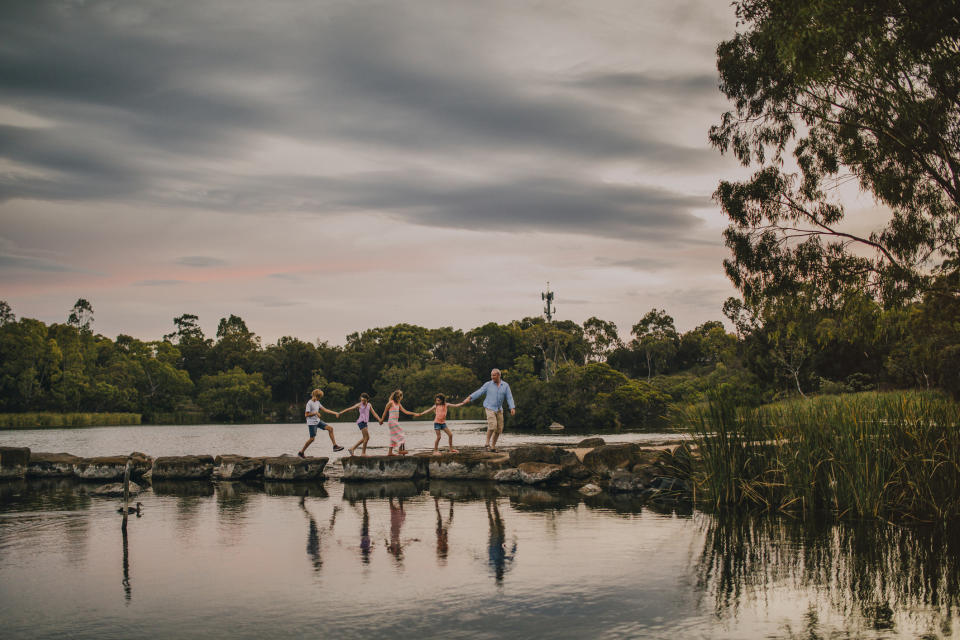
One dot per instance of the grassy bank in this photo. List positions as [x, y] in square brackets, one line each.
[870, 455]
[11, 420]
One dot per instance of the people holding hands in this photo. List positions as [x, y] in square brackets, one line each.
[440, 421]
[365, 409]
[391, 412]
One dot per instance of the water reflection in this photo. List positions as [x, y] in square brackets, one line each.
[499, 557]
[876, 576]
[127, 590]
[443, 532]
[353, 491]
[314, 534]
[397, 518]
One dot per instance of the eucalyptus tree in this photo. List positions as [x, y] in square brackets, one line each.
[825, 93]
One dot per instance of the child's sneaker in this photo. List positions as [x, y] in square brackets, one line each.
[337, 448]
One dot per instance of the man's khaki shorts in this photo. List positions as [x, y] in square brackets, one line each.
[494, 420]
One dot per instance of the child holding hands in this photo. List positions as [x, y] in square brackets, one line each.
[391, 412]
[365, 409]
[440, 421]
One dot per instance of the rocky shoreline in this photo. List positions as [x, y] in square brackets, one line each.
[590, 467]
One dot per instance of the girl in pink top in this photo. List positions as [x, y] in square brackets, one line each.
[440, 421]
[365, 409]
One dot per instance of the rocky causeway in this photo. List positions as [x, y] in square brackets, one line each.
[591, 466]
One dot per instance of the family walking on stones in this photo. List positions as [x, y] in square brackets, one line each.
[494, 392]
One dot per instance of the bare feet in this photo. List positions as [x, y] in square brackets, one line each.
[351, 451]
[435, 452]
[454, 450]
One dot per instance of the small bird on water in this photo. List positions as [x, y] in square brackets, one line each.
[130, 510]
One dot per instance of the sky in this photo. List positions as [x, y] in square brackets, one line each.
[325, 167]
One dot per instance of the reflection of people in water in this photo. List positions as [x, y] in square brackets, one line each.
[443, 531]
[365, 544]
[499, 558]
[313, 534]
[397, 516]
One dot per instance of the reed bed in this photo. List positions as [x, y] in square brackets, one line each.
[892, 455]
[13, 420]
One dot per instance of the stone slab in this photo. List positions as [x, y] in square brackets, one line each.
[384, 467]
[182, 468]
[51, 465]
[293, 469]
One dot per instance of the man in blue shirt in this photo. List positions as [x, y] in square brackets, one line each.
[495, 392]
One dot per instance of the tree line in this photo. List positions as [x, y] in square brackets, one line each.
[579, 375]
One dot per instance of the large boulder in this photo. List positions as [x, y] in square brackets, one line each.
[51, 465]
[14, 462]
[472, 465]
[591, 443]
[539, 472]
[537, 453]
[234, 467]
[611, 457]
[293, 469]
[182, 468]
[384, 467]
[114, 490]
[111, 468]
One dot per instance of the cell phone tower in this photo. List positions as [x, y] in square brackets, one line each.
[548, 308]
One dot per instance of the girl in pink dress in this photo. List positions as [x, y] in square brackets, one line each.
[391, 412]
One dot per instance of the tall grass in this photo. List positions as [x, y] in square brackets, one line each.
[868, 455]
[10, 420]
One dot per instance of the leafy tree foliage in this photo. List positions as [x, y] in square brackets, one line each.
[233, 395]
[844, 90]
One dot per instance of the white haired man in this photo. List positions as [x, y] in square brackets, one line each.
[495, 391]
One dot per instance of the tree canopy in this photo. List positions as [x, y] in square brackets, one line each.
[830, 92]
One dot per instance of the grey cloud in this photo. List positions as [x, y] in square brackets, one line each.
[201, 261]
[33, 264]
[285, 276]
[157, 283]
[640, 264]
[690, 86]
[143, 92]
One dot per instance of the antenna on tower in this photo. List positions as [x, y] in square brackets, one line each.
[548, 308]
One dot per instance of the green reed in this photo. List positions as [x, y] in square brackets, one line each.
[868, 455]
[49, 419]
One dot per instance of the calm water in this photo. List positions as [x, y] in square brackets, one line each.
[461, 560]
[271, 439]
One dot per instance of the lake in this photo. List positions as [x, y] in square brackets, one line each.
[457, 559]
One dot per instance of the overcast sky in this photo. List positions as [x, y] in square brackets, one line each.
[319, 168]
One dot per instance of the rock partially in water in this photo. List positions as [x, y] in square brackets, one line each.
[471, 465]
[590, 490]
[384, 467]
[234, 467]
[111, 468]
[611, 457]
[508, 475]
[51, 465]
[623, 482]
[114, 490]
[182, 468]
[538, 453]
[591, 443]
[293, 469]
[14, 462]
[539, 472]
[668, 489]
